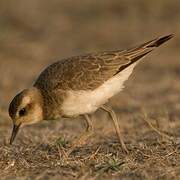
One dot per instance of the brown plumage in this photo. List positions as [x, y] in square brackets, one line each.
[78, 86]
[91, 70]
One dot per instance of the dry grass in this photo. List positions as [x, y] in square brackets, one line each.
[35, 33]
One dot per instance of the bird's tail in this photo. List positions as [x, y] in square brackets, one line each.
[136, 53]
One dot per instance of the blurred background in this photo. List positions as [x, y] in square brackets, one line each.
[35, 33]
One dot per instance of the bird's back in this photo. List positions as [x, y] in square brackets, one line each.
[89, 71]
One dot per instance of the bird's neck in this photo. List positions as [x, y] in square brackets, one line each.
[51, 104]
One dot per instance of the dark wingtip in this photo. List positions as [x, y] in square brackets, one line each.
[161, 40]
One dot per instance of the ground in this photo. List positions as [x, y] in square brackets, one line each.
[35, 33]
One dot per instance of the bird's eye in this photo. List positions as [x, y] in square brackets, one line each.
[22, 112]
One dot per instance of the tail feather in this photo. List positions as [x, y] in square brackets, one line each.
[159, 41]
[136, 53]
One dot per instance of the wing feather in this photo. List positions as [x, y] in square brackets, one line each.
[89, 71]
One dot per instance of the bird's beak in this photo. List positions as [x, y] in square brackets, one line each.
[14, 132]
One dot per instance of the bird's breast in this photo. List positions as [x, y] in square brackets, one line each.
[85, 102]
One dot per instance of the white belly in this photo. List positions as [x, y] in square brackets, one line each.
[82, 102]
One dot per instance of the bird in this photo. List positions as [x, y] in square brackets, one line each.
[78, 86]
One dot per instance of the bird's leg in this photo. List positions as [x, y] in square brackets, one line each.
[89, 123]
[116, 125]
[85, 135]
[89, 131]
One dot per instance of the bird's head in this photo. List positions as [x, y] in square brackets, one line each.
[25, 108]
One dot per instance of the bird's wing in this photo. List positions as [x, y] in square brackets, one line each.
[90, 71]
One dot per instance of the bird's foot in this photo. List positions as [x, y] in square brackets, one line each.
[80, 141]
